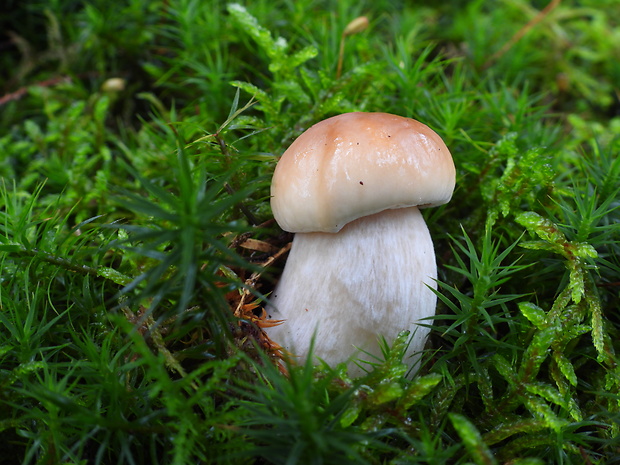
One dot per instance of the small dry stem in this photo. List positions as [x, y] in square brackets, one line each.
[521, 32]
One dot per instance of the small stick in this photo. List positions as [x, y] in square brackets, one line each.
[521, 32]
[251, 281]
[19, 93]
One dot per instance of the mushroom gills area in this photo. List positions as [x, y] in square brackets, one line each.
[348, 288]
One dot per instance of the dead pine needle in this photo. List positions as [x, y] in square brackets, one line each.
[521, 32]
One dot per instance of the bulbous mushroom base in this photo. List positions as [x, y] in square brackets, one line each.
[348, 288]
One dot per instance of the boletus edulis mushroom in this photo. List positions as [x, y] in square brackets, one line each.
[362, 259]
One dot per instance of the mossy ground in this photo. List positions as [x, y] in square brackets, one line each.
[137, 143]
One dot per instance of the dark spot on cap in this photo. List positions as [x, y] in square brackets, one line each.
[361, 183]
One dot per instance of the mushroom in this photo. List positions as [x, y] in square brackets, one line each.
[362, 259]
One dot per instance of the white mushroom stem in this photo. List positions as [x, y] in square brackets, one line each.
[348, 288]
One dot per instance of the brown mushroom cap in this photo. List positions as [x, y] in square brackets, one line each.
[356, 164]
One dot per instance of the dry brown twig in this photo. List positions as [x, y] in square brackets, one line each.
[542, 14]
[250, 283]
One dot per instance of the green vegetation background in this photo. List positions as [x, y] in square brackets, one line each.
[137, 141]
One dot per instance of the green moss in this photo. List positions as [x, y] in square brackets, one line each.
[137, 143]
